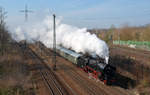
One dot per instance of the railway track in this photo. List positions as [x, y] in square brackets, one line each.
[51, 84]
[98, 87]
[87, 86]
[92, 89]
[47, 75]
[135, 52]
[79, 80]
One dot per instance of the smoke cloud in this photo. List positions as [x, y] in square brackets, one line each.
[68, 36]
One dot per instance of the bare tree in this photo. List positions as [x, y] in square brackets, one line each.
[3, 32]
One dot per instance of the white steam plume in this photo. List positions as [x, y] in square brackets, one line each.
[68, 36]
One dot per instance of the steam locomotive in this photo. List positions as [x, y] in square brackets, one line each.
[96, 66]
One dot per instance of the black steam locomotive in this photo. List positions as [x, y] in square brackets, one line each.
[96, 66]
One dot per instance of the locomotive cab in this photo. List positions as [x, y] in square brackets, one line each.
[99, 68]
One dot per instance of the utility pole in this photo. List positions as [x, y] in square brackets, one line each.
[26, 11]
[54, 43]
[2, 28]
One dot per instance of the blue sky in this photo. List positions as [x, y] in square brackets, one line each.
[82, 13]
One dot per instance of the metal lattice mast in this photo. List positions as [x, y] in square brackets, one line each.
[26, 11]
[54, 43]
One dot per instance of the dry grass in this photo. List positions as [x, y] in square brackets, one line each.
[15, 77]
[145, 82]
[144, 86]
